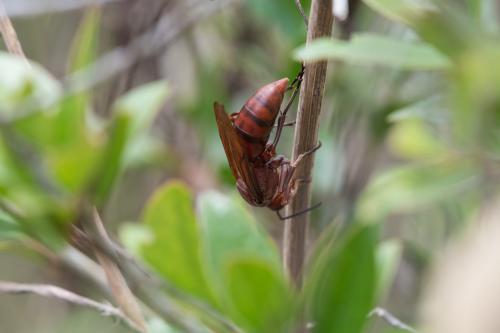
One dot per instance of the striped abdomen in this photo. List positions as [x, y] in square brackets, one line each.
[256, 118]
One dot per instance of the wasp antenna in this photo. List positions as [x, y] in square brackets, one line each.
[298, 213]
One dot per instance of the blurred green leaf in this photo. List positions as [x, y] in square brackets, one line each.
[9, 228]
[410, 188]
[283, 14]
[341, 288]
[175, 251]
[432, 109]
[229, 231]
[133, 236]
[375, 49]
[388, 256]
[259, 296]
[405, 11]
[134, 113]
[142, 104]
[85, 43]
[23, 84]
[412, 139]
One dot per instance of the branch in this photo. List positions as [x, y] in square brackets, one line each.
[166, 31]
[391, 319]
[298, 4]
[146, 287]
[92, 224]
[306, 137]
[9, 34]
[68, 296]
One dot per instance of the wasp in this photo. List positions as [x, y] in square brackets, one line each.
[263, 178]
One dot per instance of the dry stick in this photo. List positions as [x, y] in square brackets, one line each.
[141, 278]
[121, 292]
[68, 296]
[9, 34]
[117, 282]
[306, 137]
[301, 11]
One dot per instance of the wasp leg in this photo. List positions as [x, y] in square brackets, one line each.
[292, 123]
[282, 117]
[304, 154]
[308, 209]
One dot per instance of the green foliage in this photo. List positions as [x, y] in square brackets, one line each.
[258, 295]
[387, 258]
[405, 11]
[373, 49]
[341, 289]
[134, 113]
[25, 85]
[231, 232]
[175, 251]
[413, 188]
[424, 92]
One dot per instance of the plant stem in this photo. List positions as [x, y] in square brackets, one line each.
[306, 137]
[9, 34]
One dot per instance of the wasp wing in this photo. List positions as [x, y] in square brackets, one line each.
[238, 160]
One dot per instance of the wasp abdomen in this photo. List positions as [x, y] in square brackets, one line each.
[256, 118]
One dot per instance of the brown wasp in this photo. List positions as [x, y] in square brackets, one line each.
[263, 178]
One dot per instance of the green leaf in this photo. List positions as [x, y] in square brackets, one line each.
[142, 104]
[134, 113]
[110, 163]
[388, 256]
[405, 11]
[9, 228]
[412, 139]
[341, 289]
[432, 109]
[22, 83]
[175, 251]
[375, 50]
[133, 236]
[229, 232]
[260, 299]
[85, 43]
[415, 187]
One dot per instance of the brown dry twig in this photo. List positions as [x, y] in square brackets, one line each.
[121, 292]
[9, 34]
[306, 137]
[51, 291]
[301, 11]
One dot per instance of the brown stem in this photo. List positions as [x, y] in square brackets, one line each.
[9, 34]
[68, 296]
[306, 137]
[119, 288]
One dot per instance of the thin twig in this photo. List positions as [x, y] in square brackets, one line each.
[301, 11]
[166, 31]
[9, 34]
[306, 137]
[51, 291]
[121, 292]
[31, 8]
[391, 319]
[142, 279]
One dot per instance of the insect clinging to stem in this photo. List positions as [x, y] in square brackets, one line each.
[263, 178]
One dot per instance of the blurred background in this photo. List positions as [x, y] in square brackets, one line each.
[409, 126]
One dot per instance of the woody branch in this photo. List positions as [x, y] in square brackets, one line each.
[306, 137]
